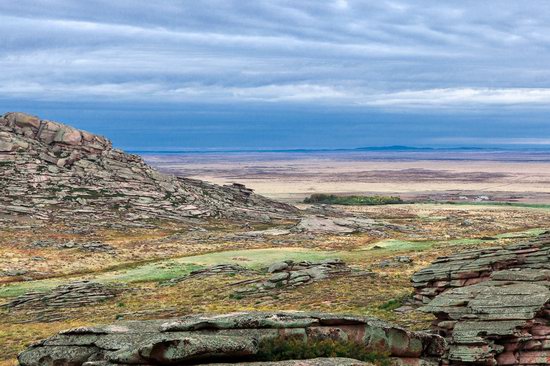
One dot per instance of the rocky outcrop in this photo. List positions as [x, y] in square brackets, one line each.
[218, 269]
[71, 295]
[289, 274]
[53, 171]
[335, 225]
[472, 267]
[57, 304]
[236, 337]
[492, 305]
[92, 246]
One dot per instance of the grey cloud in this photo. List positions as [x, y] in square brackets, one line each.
[376, 54]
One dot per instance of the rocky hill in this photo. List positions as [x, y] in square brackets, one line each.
[51, 171]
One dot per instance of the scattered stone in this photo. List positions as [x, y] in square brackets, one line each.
[268, 232]
[226, 269]
[14, 272]
[333, 225]
[405, 309]
[290, 274]
[395, 261]
[94, 246]
[235, 338]
[278, 266]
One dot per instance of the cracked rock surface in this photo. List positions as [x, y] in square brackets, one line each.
[235, 337]
[492, 305]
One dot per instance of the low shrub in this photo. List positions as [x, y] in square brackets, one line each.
[352, 200]
[280, 349]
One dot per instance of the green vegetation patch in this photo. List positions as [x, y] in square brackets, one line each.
[280, 349]
[150, 272]
[164, 270]
[352, 200]
[400, 245]
[258, 258]
[521, 234]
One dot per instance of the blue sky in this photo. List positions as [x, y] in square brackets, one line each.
[208, 74]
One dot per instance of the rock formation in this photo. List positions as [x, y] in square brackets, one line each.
[91, 246]
[55, 304]
[289, 274]
[492, 305]
[74, 294]
[53, 171]
[236, 337]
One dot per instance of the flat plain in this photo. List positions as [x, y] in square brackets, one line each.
[519, 176]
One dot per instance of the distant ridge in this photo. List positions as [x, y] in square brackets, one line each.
[391, 148]
[414, 148]
[395, 148]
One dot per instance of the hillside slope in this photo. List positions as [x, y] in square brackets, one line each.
[52, 171]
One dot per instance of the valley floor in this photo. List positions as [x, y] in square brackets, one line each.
[150, 266]
[419, 176]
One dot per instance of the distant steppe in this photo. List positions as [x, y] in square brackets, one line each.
[522, 176]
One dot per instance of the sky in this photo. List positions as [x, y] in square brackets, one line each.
[282, 74]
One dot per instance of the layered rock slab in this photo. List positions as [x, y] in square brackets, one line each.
[492, 305]
[51, 170]
[232, 337]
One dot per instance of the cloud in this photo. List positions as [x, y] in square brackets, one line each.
[349, 53]
[464, 97]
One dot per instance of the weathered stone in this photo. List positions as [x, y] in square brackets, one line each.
[277, 267]
[78, 172]
[497, 310]
[6, 146]
[71, 295]
[235, 337]
[23, 120]
[292, 274]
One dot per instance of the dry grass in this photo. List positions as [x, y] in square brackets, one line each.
[431, 231]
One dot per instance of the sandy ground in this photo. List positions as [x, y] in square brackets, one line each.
[292, 176]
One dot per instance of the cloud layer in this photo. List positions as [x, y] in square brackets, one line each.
[383, 55]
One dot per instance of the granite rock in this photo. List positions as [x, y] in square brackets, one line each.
[54, 171]
[492, 305]
[234, 337]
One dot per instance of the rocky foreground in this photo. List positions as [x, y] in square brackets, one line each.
[53, 171]
[492, 305]
[237, 337]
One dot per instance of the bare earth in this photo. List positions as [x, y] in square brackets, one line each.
[502, 176]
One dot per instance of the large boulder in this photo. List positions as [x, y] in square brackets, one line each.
[235, 337]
